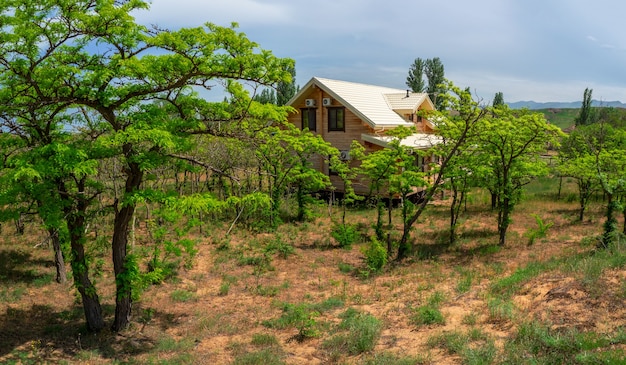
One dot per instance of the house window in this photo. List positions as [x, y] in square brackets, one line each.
[336, 119]
[420, 162]
[308, 118]
[331, 171]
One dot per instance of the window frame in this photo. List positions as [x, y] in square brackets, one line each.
[332, 122]
[306, 122]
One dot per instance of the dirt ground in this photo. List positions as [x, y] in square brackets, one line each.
[228, 303]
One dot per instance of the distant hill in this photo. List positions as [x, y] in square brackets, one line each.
[563, 105]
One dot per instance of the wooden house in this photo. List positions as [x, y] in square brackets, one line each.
[342, 111]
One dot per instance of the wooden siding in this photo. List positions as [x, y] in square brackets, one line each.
[354, 128]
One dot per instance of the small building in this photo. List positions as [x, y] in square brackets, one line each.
[342, 111]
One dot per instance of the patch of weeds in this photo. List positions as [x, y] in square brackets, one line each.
[387, 358]
[43, 280]
[429, 313]
[473, 347]
[300, 316]
[358, 332]
[500, 310]
[277, 245]
[182, 295]
[265, 356]
[146, 315]
[217, 324]
[465, 282]
[345, 267]
[268, 351]
[507, 286]
[540, 232]
[328, 304]
[10, 295]
[169, 344]
[270, 290]
[469, 319]
[264, 340]
[536, 341]
[488, 250]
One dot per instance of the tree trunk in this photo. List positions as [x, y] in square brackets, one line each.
[504, 218]
[59, 262]
[610, 225]
[119, 245]
[75, 219]
[80, 273]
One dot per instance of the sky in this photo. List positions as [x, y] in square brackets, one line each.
[539, 50]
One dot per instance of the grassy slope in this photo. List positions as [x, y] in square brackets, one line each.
[242, 302]
[562, 118]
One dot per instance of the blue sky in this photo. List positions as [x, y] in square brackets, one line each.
[548, 50]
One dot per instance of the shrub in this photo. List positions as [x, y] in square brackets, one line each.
[375, 255]
[345, 234]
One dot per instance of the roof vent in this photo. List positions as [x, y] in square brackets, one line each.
[407, 93]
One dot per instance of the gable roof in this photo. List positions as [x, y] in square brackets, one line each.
[377, 106]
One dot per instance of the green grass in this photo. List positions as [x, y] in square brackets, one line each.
[474, 347]
[357, 333]
[182, 295]
[561, 118]
[429, 312]
[386, 358]
[536, 343]
[507, 286]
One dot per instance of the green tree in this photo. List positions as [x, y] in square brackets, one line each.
[585, 116]
[457, 131]
[415, 80]
[607, 146]
[267, 96]
[577, 161]
[427, 76]
[286, 89]
[498, 99]
[285, 154]
[139, 81]
[511, 143]
[436, 78]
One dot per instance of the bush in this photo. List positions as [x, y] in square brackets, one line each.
[375, 255]
[345, 234]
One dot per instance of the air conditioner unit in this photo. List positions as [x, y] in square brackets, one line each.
[327, 101]
[309, 102]
[344, 155]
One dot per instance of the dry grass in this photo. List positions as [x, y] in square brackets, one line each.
[195, 319]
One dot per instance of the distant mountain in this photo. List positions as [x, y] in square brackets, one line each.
[563, 105]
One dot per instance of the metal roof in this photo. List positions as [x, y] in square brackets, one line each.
[420, 141]
[378, 106]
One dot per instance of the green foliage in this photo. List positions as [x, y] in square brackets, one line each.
[586, 113]
[510, 144]
[540, 231]
[375, 255]
[358, 332]
[345, 234]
